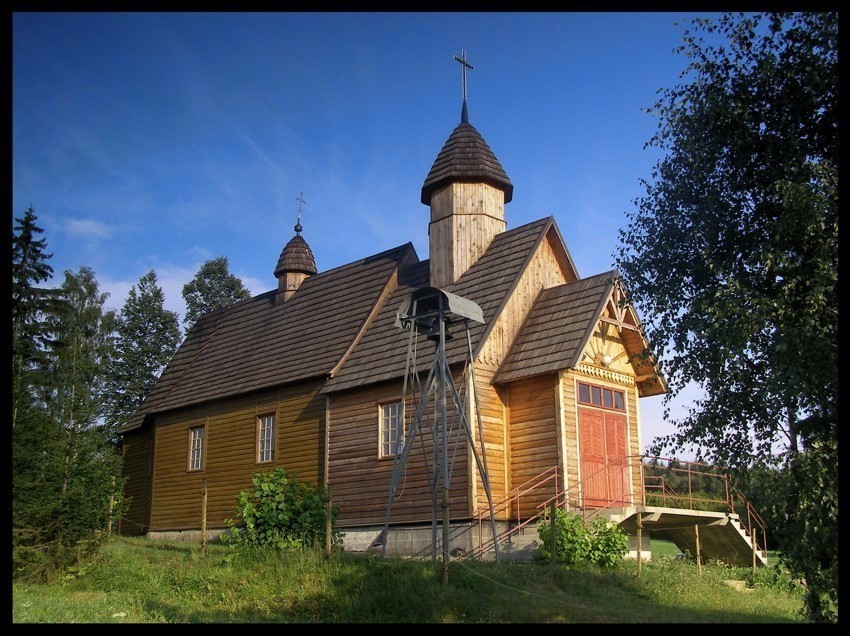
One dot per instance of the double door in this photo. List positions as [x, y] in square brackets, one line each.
[604, 461]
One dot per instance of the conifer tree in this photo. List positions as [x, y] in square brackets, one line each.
[66, 466]
[30, 302]
[147, 335]
[213, 287]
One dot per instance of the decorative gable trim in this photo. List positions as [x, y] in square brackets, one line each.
[605, 374]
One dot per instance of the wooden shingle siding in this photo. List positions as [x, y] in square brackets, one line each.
[137, 448]
[534, 443]
[360, 480]
[230, 453]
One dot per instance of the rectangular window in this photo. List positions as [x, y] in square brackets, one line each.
[265, 438]
[596, 395]
[196, 448]
[391, 429]
[601, 396]
[619, 404]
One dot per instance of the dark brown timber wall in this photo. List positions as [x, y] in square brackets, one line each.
[136, 450]
[360, 479]
[230, 453]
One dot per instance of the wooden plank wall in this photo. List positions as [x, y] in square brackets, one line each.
[570, 425]
[230, 453]
[533, 435]
[136, 450]
[465, 217]
[494, 424]
[360, 480]
[634, 442]
[542, 272]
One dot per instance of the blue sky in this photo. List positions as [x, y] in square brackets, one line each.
[161, 140]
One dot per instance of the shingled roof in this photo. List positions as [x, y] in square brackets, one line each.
[557, 327]
[254, 344]
[381, 353]
[296, 256]
[466, 158]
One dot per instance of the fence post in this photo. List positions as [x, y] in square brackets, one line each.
[204, 520]
[328, 525]
[552, 542]
[111, 505]
[752, 537]
[639, 541]
[699, 560]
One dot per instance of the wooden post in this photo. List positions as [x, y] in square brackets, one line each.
[639, 541]
[328, 525]
[111, 506]
[204, 520]
[552, 532]
[699, 560]
[446, 535]
[753, 539]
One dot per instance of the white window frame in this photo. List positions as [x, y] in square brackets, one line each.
[266, 438]
[197, 436]
[390, 429]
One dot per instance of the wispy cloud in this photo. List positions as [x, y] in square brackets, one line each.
[88, 229]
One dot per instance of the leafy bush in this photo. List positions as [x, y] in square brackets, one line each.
[280, 512]
[600, 542]
[775, 576]
[608, 543]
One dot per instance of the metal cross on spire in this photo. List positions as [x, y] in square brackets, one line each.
[464, 65]
[301, 201]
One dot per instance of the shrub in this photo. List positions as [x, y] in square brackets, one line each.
[280, 512]
[608, 543]
[600, 542]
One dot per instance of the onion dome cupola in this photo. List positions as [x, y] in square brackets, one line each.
[467, 190]
[466, 158]
[296, 263]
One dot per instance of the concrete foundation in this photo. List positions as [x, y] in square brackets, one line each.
[645, 548]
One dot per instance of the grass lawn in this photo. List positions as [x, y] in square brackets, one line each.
[146, 581]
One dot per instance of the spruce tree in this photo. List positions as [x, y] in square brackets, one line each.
[66, 466]
[30, 303]
[147, 335]
[213, 287]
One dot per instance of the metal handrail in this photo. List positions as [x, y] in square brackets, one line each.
[563, 498]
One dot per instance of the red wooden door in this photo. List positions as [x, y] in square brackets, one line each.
[593, 480]
[617, 463]
[602, 448]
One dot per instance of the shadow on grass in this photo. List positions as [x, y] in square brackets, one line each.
[375, 590]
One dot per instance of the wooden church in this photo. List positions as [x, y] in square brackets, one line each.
[312, 375]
